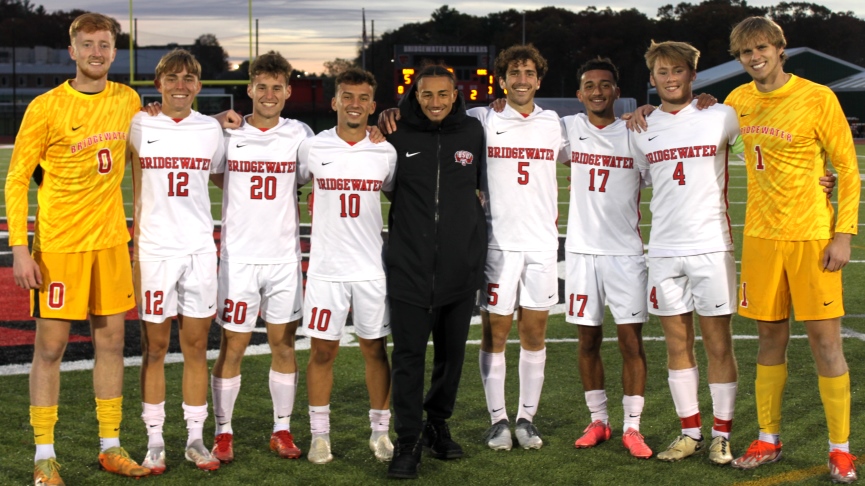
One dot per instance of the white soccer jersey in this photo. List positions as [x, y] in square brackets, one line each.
[346, 244]
[259, 198]
[170, 176]
[686, 154]
[519, 184]
[604, 214]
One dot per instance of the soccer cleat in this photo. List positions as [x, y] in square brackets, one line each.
[116, 460]
[46, 472]
[223, 448]
[283, 443]
[203, 459]
[719, 451]
[498, 436]
[842, 467]
[319, 450]
[684, 446]
[758, 453]
[381, 446]
[155, 461]
[528, 435]
[634, 441]
[437, 437]
[594, 434]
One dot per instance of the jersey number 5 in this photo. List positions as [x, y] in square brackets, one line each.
[523, 179]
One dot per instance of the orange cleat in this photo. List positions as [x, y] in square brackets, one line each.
[46, 472]
[116, 460]
[758, 453]
[593, 435]
[842, 467]
[636, 444]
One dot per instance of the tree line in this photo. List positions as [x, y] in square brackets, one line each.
[569, 38]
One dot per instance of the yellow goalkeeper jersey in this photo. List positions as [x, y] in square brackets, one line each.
[80, 141]
[790, 134]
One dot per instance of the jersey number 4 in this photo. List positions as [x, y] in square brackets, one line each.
[679, 174]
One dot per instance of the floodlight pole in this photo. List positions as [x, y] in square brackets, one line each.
[131, 48]
[250, 31]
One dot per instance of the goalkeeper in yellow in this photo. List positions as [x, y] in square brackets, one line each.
[794, 247]
[80, 264]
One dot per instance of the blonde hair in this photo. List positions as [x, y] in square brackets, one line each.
[175, 61]
[755, 29]
[672, 51]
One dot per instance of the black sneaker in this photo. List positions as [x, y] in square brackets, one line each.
[406, 459]
[437, 437]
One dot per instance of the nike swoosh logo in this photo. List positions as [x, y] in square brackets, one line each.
[239, 145]
[498, 410]
[528, 406]
[744, 115]
[223, 423]
[297, 310]
[151, 426]
[151, 141]
[499, 133]
[278, 416]
[411, 155]
[720, 305]
[550, 296]
[633, 416]
[827, 303]
[118, 428]
[386, 325]
[635, 313]
[211, 306]
[584, 138]
[652, 138]
[326, 163]
[76, 128]
[129, 296]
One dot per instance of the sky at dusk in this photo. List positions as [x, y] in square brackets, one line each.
[309, 32]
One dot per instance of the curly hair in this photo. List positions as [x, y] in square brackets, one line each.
[520, 54]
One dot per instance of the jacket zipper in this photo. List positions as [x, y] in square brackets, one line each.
[436, 227]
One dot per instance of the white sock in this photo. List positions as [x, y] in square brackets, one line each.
[105, 444]
[633, 405]
[723, 405]
[44, 451]
[283, 387]
[195, 415]
[770, 438]
[683, 387]
[153, 415]
[225, 391]
[379, 420]
[845, 447]
[531, 382]
[319, 420]
[493, 378]
[596, 400]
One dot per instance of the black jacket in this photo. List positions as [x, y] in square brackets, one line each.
[437, 236]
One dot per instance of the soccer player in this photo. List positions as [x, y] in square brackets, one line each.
[346, 269]
[80, 266]
[520, 191]
[437, 244]
[604, 252]
[173, 155]
[260, 253]
[690, 260]
[794, 248]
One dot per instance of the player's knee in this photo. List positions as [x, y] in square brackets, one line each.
[322, 355]
[50, 351]
[631, 349]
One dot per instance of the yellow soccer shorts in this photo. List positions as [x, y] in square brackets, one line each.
[778, 273]
[97, 282]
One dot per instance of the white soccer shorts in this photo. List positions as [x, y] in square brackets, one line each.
[592, 281]
[705, 283]
[185, 285]
[530, 277]
[276, 289]
[327, 304]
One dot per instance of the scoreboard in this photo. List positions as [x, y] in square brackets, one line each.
[472, 66]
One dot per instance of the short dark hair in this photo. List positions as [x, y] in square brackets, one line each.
[355, 75]
[271, 63]
[520, 54]
[599, 63]
[431, 69]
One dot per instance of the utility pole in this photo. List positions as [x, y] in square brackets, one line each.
[256, 37]
[363, 40]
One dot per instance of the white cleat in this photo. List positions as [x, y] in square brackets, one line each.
[498, 437]
[381, 446]
[528, 435]
[319, 450]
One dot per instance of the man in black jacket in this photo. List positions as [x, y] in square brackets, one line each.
[437, 245]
